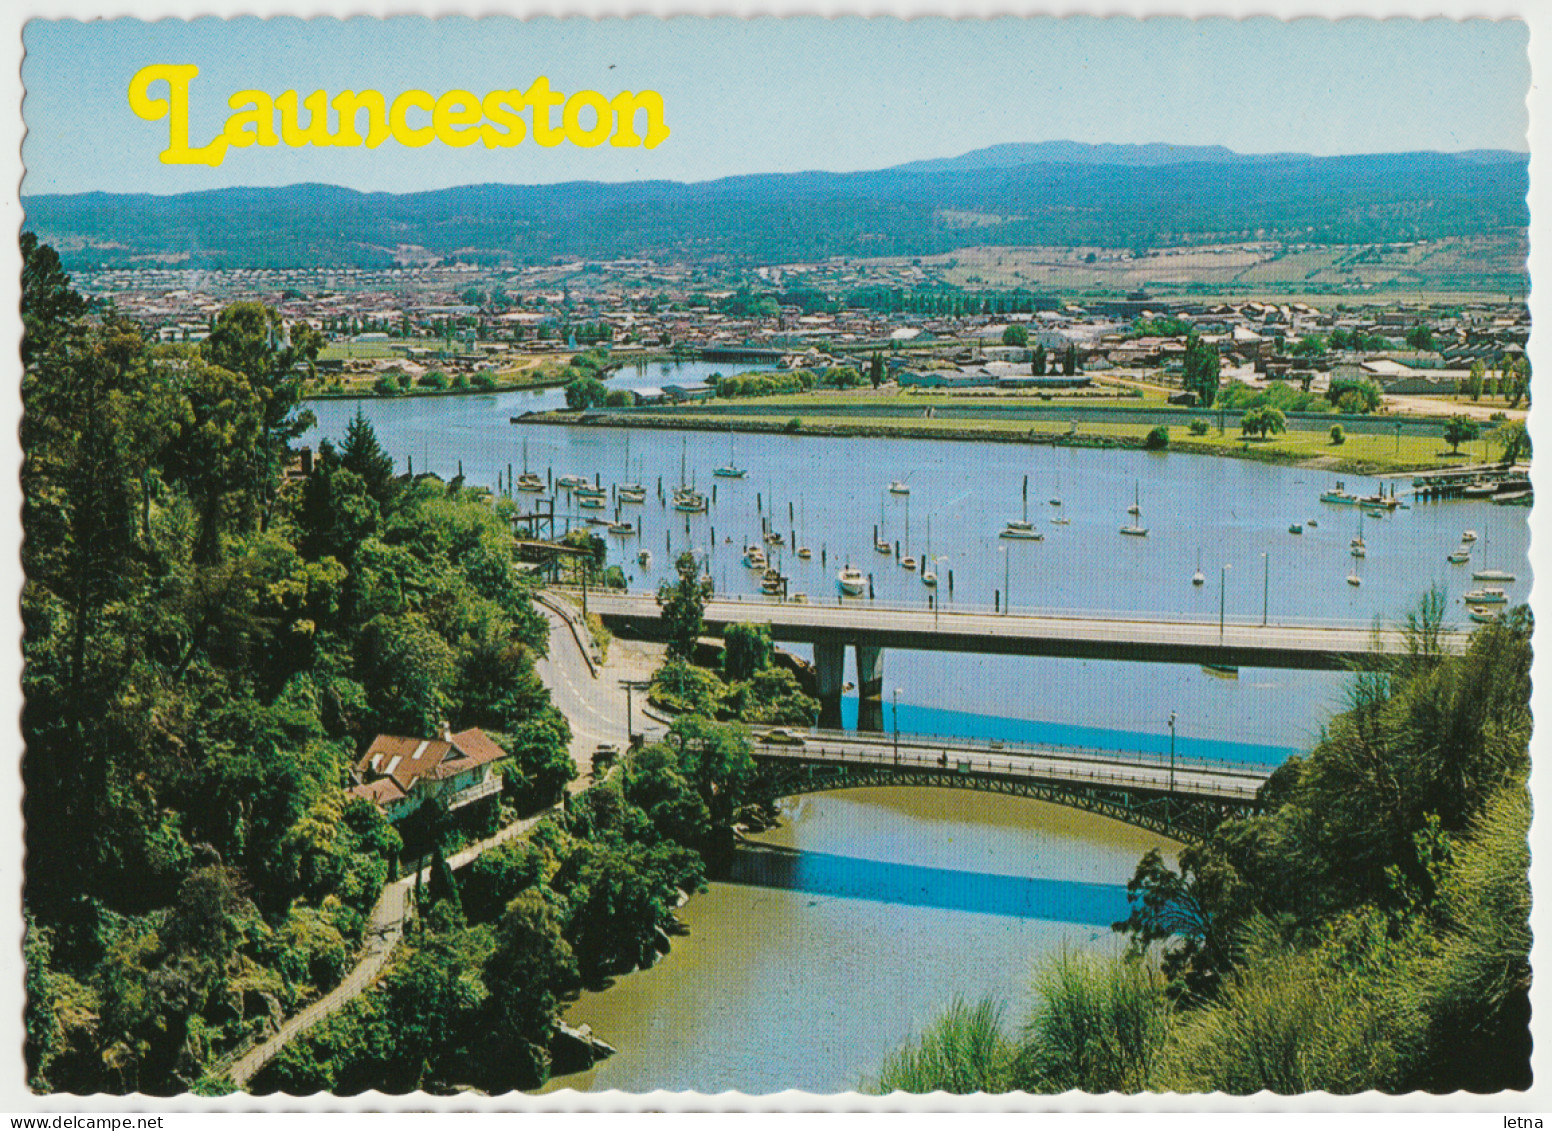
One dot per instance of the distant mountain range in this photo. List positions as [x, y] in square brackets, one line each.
[1049, 193]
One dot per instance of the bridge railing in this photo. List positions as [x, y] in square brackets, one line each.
[1113, 755]
[1016, 767]
[968, 608]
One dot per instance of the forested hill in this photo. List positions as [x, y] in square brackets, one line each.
[1048, 194]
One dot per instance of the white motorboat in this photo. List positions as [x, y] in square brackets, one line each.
[899, 487]
[1487, 595]
[851, 580]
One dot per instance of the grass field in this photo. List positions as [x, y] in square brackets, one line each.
[1358, 453]
[356, 351]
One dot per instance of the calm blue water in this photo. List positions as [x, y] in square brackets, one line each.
[920, 720]
[946, 889]
[1228, 517]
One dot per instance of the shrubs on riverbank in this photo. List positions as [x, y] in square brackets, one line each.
[1367, 930]
[473, 995]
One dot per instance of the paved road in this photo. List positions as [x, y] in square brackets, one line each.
[847, 620]
[1058, 764]
[384, 930]
[588, 692]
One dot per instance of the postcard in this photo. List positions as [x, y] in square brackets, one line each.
[728, 557]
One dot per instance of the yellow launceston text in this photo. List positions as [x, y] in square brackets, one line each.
[498, 120]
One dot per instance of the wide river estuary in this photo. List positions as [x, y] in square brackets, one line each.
[867, 912]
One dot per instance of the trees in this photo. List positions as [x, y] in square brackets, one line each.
[1157, 439]
[876, 370]
[49, 306]
[1200, 372]
[531, 966]
[1038, 365]
[1070, 360]
[1514, 441]
[1259, 421]
[1420, 337]
[1354, 394]
[841, 377]
[1338, 434]
[586, 392]
[683, 603]
[746, 649]
[1459, 430]
[1475, 378]
[363, 455]
[1015, 335]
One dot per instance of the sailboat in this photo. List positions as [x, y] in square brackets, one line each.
[1198, 578]
[929, 575]
[528, 481]
[686, 497]
[851, 580]
[908, 562]
[630, 491]
[1357, 547]
[730, 470]
[1135, 528]
[803, 551]
[1022, 528]
[880, 543]
[1490, 574]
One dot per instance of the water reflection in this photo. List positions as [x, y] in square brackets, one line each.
[913, 885]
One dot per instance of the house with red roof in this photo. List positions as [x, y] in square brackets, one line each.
[399, 774]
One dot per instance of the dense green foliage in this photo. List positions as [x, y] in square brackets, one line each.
[1200, 375]
[472, 998]
[1283, 397]
[1459, 430]
[765, 384]
[209, 646]
[1368, 929]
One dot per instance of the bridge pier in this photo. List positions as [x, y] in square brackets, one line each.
[829, 671]
[870, 687]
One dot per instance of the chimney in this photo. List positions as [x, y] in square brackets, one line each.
[447, 731]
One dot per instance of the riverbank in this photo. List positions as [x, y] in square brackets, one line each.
[369, 393]
[1358, 454]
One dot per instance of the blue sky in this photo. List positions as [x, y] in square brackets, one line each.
[782, 95]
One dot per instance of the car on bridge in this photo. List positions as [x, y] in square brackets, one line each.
[781, 736]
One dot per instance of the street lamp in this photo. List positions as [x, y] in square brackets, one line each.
[897, 726]
[1266, 584]
[1007, 578]
[1169, 806]
[1223, 596]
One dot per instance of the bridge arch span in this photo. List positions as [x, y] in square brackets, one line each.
[1181, 817]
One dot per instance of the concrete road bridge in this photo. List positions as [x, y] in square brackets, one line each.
[1181, 798]
[869, 627]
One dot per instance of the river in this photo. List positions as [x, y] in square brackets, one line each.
[855, 923]
[1230, 518]
[868, 911]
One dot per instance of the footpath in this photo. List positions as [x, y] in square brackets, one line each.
[384, 931]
